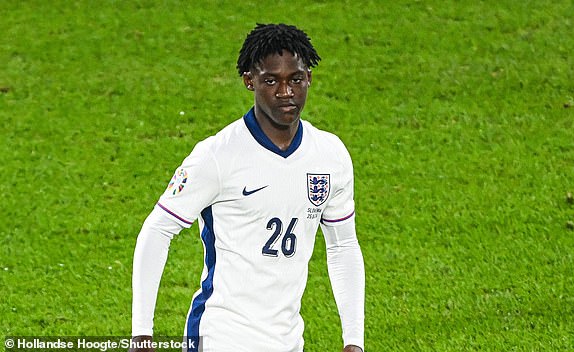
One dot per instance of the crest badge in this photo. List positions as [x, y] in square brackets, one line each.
[177, 182]
[318, 187]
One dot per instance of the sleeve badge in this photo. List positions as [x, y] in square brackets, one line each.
[177, 182]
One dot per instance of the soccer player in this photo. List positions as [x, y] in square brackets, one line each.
[260, 188]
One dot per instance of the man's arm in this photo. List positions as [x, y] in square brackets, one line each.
[150, 256]
[347, 275]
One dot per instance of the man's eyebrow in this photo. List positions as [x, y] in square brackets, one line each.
[271, 73]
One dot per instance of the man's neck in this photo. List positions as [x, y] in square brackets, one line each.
[281, 136]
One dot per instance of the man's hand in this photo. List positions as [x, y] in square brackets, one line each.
[144, 341]
[352, 348]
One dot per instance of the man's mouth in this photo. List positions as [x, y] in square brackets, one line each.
[288, 108]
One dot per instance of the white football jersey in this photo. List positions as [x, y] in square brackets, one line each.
[259, 209]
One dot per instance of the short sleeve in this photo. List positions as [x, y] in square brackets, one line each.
[341, 206]
[193, 187]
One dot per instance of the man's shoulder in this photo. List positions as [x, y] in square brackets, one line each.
[326, 138]
[215, 144]
[228, 134]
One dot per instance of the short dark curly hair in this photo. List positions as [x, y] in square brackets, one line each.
[268, 39]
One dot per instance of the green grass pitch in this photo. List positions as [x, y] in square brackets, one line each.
[458, 114]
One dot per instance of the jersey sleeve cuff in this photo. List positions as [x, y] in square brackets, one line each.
[141, 331]
[356, 339]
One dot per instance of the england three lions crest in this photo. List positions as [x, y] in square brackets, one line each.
[318, 187]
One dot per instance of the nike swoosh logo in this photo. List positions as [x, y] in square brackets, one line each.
[246, 192]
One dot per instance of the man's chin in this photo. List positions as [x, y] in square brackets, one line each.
[282, 119]
[287, 116]
[287, 119]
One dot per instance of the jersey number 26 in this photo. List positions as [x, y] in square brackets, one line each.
[289, 242]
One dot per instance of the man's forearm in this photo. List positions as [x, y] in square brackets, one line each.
[347, 275]
[149, 261]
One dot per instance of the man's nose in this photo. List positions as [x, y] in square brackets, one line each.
[284, 90]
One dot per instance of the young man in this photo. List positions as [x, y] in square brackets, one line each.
[260, 188]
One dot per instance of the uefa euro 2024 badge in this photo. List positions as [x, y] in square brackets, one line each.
[177, 182]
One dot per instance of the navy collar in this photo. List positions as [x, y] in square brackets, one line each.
[261, 138]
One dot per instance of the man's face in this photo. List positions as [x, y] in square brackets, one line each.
[280, 83]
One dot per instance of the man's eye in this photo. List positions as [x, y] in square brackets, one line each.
[270, 81]
[297, 80]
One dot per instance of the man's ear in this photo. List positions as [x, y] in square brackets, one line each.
[248, 81]
[309, 78]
